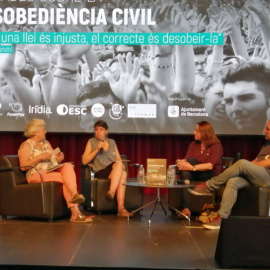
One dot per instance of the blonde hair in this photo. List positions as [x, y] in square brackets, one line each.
[33, 126]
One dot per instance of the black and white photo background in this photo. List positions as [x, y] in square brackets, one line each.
[146, 88]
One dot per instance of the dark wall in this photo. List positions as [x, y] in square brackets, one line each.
[137, 147]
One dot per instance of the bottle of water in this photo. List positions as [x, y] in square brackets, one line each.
[141, 175]
[171, 175]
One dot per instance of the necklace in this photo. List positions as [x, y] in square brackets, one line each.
[202, 148]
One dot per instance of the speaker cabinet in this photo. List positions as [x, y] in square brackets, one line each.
[244, 242]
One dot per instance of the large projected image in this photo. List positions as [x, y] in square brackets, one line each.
[156, 89]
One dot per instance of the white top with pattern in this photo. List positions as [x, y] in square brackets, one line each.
[35, 151]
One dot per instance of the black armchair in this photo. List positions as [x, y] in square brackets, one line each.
[21, 199]
[94, 190]
[196, 203]
[252, 201]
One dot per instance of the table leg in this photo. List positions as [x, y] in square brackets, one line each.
[154, 209]
[163, 209]
[140, 208]
[179, 212]
[156, 201]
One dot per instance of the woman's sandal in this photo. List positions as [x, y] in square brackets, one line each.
[185, 212]
[81, 219]
[77, 198]
[124, 213]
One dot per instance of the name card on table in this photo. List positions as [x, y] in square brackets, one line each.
[156, 171]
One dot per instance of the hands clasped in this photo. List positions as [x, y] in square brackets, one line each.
[183, 165]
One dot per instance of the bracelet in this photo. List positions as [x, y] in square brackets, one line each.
[68, 70]
[18, 50]
[62, 73]
[193, 168]
[44, 71]
[65, 78]
[163, 66]
[162, 55]
[44, 74]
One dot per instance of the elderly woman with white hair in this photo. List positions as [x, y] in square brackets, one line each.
[36, 154]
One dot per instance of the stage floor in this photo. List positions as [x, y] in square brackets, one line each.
[108, 242]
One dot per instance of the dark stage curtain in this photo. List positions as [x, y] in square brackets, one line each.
[137, 147]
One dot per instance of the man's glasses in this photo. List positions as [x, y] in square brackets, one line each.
[202, 64]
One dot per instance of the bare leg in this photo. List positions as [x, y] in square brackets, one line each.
[65, 175]
[115, 176]
[69, 178]
[74, 211]
[118, 177]
[121, 191]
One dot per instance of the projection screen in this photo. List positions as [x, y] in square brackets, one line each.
[136, 85]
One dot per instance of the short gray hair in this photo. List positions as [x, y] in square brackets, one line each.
[33, 126]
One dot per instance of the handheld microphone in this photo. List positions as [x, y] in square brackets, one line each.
[101, 149]
[135, 164]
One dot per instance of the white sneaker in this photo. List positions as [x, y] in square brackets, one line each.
[214, 225]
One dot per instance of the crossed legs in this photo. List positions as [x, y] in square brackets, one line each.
[66, 176]
[118, 177]
[239, 175]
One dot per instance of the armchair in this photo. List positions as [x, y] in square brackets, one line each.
[196, 203]
[94, 190]
[252, 201]
[21, 199]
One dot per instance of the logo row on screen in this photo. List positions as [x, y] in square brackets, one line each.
[115, 110]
